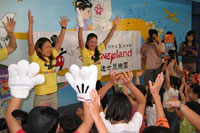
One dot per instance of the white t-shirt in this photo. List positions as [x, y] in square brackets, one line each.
[169, 94]
[151, 115]
[133, 126]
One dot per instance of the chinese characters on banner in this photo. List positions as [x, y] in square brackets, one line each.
[122, 53]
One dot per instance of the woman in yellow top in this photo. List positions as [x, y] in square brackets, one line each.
[90, 51]
[44, 54]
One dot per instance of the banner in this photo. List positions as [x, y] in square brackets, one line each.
[122, 53]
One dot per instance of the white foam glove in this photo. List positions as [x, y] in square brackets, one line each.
[82, 80]
[79, 18]
[23, 77]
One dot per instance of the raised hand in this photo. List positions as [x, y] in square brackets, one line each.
[30, 17]
[116, 21]
[23, 77]
[94, 105]
[155, 88]
[114, 77]
[140, 73]
[126, 78]
[10, 26]
[172, 102]
[63, 21]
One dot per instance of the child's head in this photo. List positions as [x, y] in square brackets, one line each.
[142, 88]
[68, 124]
[195, 106]
[43, 120]
[119, 108]
[194, 92]
[194, 77]
[84, 6]
[156, 129]
[175, 82]
[43, 48]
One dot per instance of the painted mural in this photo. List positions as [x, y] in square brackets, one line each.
[139, 15]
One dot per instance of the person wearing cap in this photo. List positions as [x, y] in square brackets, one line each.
[12, 45]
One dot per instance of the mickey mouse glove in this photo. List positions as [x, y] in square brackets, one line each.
[79, 18]
[82, 80]
[23, 77]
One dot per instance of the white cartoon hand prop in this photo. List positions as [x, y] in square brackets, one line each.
[82, 80]
[79, 18]
[23, 77]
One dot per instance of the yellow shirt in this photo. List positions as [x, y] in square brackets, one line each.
[87, 58]
[49, 71]
[3, 54]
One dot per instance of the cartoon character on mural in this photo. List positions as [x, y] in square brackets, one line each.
[101, 14]
[60, 58]
[3, 33]
[84, 7]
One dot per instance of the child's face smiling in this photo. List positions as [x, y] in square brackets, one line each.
[86, 13]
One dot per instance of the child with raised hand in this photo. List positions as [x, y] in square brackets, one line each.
[44, 54]
[117, 114]
[161, 122]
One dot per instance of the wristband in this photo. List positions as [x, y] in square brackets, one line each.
[63, 27]
[182, 103]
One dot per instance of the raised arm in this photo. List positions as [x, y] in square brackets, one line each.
[138, 75]
[63, 24]
[110, 34]
[155, 89]
[126, 79]
[167, 82]
[79, 20]
[31, 47]
[10, 27]
[113, 80]
[191, 116]
[80, 38]
[94, 108]
[12, 123]
[87, 122]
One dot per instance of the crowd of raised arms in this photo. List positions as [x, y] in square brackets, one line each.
[167, 100]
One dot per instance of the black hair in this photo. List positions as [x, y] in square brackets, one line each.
[152, 31]
[191, 32]
[68, 124]
[176, 82]
[40, 42]
[142, 89]
[195, 89]
[119, 108]
[82, 4]
[194, 106]
[156, 129]
[96, 51]
[195, 72]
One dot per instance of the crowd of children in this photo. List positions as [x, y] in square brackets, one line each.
[167, 102]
